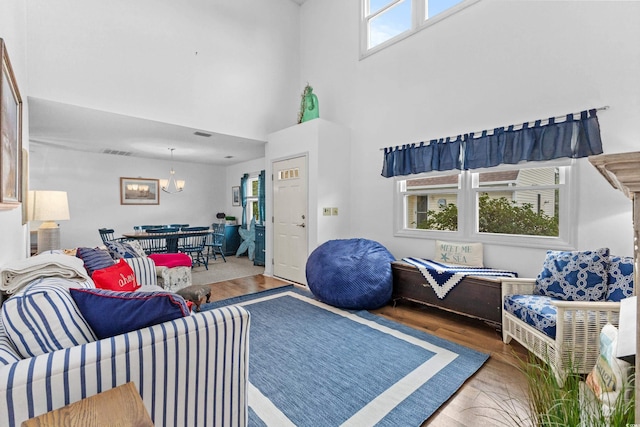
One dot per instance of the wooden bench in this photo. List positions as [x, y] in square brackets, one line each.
[475, 296]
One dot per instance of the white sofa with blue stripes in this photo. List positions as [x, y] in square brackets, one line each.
[191, 371]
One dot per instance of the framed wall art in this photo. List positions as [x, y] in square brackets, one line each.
[139, 191]
[235, 196]
[10, 135]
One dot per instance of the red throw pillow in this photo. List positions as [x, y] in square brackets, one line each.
[118, 277]
[171, 260]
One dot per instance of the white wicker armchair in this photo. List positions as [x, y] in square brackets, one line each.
[576, 344]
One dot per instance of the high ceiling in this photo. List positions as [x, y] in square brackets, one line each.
[83, 129]
[77, 128]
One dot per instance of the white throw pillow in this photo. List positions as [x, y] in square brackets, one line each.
[469, 254]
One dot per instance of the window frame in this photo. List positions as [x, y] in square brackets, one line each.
[418, 22]
[249, 212]
[467, 196]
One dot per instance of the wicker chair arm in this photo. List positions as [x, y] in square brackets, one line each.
[517, 286]
[587, 305]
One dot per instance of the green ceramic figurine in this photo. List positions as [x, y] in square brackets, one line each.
[309, 108]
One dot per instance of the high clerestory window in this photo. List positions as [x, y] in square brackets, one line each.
[386, 21]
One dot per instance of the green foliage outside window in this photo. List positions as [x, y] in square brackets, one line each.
[500, 216]
[445, 219]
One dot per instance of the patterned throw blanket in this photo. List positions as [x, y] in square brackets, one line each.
[443, 277]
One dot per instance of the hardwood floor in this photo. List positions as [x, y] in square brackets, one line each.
[485, 398]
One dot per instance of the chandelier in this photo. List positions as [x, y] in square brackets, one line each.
[178, 185]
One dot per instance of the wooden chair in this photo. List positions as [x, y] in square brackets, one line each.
[154, 244]
[215, 241]
[179, 226]
[191, 241]
[107, 235]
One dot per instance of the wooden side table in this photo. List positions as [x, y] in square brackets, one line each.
[120, 406]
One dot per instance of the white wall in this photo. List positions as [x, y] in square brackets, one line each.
[14, 242]
[493, 64]
[93, 185]
[228, 66]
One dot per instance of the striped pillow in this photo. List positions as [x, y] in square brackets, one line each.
[94, 259]
[43, 317]
[8, 353]
[144, 269]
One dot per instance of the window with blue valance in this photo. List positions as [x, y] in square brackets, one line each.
[578, 135]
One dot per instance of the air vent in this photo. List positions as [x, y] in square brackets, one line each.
[198, 133]
[117, 152]
[228, 157]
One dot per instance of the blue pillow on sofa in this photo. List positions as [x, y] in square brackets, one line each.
[94, 259]
[574, 275]
[111, 313]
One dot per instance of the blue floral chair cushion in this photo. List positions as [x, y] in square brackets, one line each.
[574, 275]
[620, 278]
[535, 310]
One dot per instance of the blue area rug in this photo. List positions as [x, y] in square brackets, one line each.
[311, 364]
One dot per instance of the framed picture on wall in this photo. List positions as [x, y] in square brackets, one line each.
[139, 191]
[10, 135]
[235, 196]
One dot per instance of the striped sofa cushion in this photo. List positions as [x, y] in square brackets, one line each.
[145, 270]
[43, 317]
[8, 353]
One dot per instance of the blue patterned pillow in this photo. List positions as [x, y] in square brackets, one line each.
[119, 250]
[620, 283]
[94, 259]
[574, 275]
[43, 318]
[112, 313]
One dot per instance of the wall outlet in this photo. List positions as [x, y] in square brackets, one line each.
[326, 211]
[334, 211]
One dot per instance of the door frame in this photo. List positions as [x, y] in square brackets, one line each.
[311, 219]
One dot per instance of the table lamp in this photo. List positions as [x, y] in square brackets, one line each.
[48, 206]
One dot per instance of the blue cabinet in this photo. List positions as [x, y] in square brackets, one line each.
[259, 256]
[231, 240]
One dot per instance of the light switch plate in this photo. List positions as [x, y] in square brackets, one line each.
[326, 211]
[334, 211]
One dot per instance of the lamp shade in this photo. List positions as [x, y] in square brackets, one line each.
[48, 205]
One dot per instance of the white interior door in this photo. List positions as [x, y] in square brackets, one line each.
[290, 219]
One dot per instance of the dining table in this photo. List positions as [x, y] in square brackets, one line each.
[147, 240]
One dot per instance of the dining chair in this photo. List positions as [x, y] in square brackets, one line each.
[162, 230]
[147, 227]
[215, 241]
[179, 226]
[154, 244]
[107, 235]
[192, 243]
